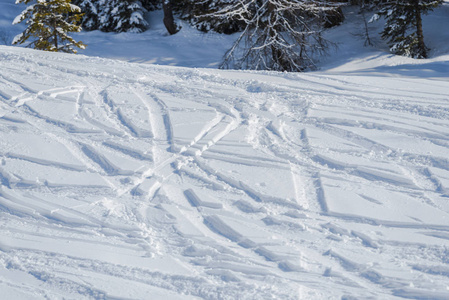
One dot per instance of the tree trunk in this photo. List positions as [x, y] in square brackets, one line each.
[276, 53]
[419, 32]
[169, 20]
[55, 35]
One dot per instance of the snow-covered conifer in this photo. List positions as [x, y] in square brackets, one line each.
[403, 27]
[151, 5]
[89, 8]
[115, 15]
[128, 16]
[200, 14]
[281, 35]
[48, 22]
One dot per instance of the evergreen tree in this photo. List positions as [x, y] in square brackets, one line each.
[403, 27]
[201, 15]
[115, 15]
[48, 22]
[280, 35]
[151, 5]
[128, 16]
[90, 20]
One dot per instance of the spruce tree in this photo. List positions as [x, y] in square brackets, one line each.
[90, 20]
[403, 27]
[201, 15]
[115, 15]
[128, 16]
[48, 22]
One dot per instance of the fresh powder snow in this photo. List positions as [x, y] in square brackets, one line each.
[124, 180]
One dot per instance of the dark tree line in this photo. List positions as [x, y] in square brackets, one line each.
[281, 35]
[115, 15]
[277, 34]
[127, 15]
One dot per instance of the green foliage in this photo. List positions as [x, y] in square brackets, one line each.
[48, 22]
[116, 15]
[128, 16]
[201, 15]
[90, 19]
[403, 26]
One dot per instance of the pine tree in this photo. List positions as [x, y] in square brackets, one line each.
[201, 15]
[115, 15]
[280, 35]
[403, 27]
[48, 22]
[128, 16]
[90, 20]
[151, 5]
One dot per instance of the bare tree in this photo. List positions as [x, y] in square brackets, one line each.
[365, 30]
[280, 35]
[366, 35]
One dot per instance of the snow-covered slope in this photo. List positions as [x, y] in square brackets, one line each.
[134, 181]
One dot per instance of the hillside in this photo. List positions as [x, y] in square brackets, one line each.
[126, 180]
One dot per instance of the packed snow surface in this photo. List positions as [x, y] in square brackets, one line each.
[121, 180]
[134, 181]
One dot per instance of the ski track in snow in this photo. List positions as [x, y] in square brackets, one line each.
[121, 181]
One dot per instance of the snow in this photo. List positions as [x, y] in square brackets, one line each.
[125, 180]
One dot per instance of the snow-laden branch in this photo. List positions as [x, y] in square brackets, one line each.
[282, 35]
